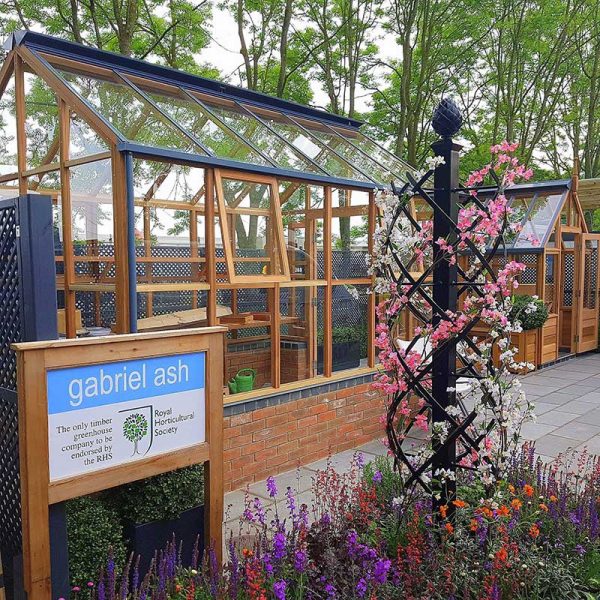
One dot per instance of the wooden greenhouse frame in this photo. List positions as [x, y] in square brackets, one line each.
[115, 130]
[562, 268]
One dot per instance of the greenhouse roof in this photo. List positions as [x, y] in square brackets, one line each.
[537, 206]
[158, 112]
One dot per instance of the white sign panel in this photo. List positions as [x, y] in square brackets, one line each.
[109, 414]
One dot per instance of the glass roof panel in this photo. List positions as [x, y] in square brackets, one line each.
[249, 127]
[540, 220]
[207, 129]
[377, 152]
[319, 153]
[134, 118]
[350, 152]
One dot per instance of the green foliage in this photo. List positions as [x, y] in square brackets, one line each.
[163, 497]
[342, 335]
[529, 319]
[93, 527]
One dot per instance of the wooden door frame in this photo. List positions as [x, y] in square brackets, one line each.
[579, 297]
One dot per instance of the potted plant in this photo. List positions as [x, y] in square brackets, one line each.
[153, 510]
[346, 351]
[531, 313]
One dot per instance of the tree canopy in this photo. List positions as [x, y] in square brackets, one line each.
[523, 70]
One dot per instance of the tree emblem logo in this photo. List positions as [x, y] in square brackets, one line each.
[135, 428]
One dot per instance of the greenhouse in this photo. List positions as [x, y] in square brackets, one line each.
[561, 259]
[181, 201]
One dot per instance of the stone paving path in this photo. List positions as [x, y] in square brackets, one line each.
[567, 398]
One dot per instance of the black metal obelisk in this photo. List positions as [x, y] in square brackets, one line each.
[446, 122]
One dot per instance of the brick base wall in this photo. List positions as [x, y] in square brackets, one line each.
[273, 439]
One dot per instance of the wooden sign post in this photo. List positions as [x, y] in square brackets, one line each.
[96, 413]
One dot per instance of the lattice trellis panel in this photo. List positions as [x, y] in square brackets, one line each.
[10, 332]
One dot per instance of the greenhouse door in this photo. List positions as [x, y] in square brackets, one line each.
[587, 293]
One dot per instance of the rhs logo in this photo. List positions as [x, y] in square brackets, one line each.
[135, 428]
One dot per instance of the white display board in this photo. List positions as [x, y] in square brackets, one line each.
[109, 414]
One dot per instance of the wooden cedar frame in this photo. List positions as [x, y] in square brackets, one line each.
[38, 492]
[279, 255]
[69, 102]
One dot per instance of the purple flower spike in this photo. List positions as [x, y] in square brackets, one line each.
[300, 561]
[377, 477]
[361, 587]
[279, 589]
[271, 487]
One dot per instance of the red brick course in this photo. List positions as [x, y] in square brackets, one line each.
[275, 439]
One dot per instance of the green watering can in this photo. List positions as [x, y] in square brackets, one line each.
[243, 381]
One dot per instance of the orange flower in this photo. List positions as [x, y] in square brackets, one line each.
[502, 555]
[511, 488]
[449, 528]
[486, 512]
[553, 498]
[474, 525]
[516, 504]
[460, 503]
[528, 490]
[247, 552]
[444, 510]
[534, 531]
[543, 507]
[504, 511]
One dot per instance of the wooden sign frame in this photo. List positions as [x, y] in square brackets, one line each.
[34, 360]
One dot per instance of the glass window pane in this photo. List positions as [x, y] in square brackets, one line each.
[350, 152]
[539, 221]
[300, 313]
[398, 166]
[92, 224]
[41, 124]
[250, 128]
[84, 140]
[8, 137]
[253, 232]
[247, 345]
[302, 231]
[134, 118]
[193, 118]
[349, 237]
[349, 326]
[319, 153]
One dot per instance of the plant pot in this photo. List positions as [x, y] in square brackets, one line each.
[146, 538]
[345, 355]
[526, 344]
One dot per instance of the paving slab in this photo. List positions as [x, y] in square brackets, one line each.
[542, 408]
[340, 462]
[534, 431]
[555, 417]
[576, 430]
[376, 448]
[592, 417]
[553, 445]
[577, 406]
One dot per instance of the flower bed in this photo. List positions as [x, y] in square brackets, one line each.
[536, 537]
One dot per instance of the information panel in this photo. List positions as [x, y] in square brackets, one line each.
[104, 415]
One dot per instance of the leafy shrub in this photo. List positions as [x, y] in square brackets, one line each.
[530, 319]
[163, 497]
[92, 528]
[342, 335]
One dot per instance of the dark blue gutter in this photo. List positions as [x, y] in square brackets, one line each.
[132, 66]
[197, 160]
